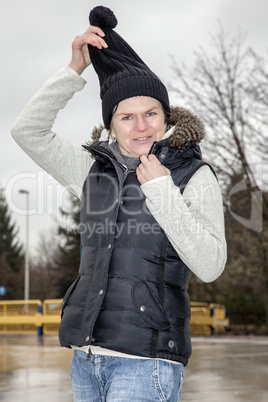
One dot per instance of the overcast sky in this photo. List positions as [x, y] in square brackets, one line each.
[35, 40]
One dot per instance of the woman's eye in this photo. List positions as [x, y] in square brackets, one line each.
[151, 114]
[126, 118]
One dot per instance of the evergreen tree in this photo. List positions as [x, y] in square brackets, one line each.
[68, 253]
[11, 254]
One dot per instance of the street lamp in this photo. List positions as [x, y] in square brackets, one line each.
[26, 271]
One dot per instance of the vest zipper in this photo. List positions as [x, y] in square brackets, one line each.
[121, 183]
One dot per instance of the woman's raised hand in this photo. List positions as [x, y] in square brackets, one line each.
[80, 54]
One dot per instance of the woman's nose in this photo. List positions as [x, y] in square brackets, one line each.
[141, 124]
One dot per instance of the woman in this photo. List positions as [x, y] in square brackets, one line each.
[151, 212]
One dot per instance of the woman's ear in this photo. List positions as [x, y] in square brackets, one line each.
[112, 133]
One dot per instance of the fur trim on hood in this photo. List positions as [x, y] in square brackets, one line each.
[186, 129]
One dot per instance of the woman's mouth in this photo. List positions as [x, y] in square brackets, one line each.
[142, 138]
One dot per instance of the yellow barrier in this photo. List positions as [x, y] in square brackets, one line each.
[208, 318]
[19, 316]
[51, 315]
[27, 317]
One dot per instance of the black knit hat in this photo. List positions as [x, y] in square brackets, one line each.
[122, 73]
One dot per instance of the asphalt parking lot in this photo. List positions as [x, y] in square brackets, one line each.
[221, 369]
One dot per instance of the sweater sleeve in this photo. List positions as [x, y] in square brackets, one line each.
[193, 222]
[67, 163]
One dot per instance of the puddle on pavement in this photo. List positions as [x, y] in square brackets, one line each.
[223, 369]
[227, 369]
[34, 369]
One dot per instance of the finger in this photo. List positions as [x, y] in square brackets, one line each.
[144, 159]
[96, 40]
[152, 157]
[90, 39]
[141, 170]
[95, 30]
[153, 160]
[103, 43]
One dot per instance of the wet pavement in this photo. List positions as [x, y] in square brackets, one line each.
[227, 370]
[221, 369]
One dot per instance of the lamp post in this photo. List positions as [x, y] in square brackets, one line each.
[26, 271]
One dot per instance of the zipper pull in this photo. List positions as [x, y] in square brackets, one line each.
[152, 148]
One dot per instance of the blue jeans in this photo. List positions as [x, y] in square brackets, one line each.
[120, 379]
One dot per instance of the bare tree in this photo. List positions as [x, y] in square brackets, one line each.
[219, 89]
[228, 89]
[257, 90]
[56, 261]
[44, 273]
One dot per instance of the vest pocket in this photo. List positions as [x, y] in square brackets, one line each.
[146, 302]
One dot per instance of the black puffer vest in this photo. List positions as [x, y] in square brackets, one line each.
[131, 293]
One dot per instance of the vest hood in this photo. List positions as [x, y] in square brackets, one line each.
[186, 129]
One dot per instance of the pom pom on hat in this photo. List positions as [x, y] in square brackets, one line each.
[102, 17]
[122, 73]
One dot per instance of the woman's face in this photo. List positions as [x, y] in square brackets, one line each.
[136, 124]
